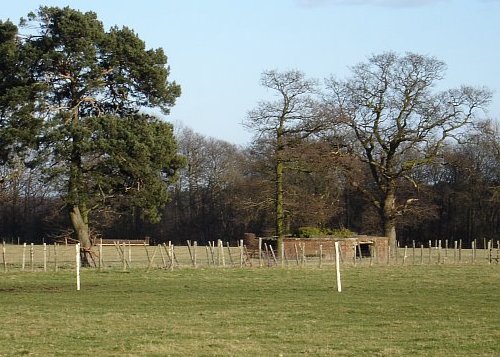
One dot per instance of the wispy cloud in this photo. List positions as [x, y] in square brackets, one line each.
[383, 3]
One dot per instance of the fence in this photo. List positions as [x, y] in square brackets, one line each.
[123, 255]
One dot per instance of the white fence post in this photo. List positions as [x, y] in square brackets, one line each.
[77, 259]
[337, 265]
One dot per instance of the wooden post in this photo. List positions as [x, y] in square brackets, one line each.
[32, 257]
[211, 247]
[101, 258]
[129, 253]
[354, 250]
[460, 251]
[221, 252]
[24, 256]
[389, 255]
[455, 247]
[413, 252]
[439, 251]
[164, 261]
[405, 256]
[337, 266]
[446, 249]
[267, 255]
[124, 260]
[396, 253]
[172, 255]
[44, 256]
[474, 251]
[147, 253]
[77, 261]
[320, 255]
[260, 252]
[241, 253]
[430, 252]
[4, 253]
[274, 256]
[56, 268]
[303, 249]
[230, 255]
[296, 253]
[489, 252]
[150, 263]
[195, 246]
[421, 254]
[208, 255]
[190, 252]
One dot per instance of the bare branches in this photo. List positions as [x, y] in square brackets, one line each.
[398, 122]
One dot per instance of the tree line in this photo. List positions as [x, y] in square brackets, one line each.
[380, 152]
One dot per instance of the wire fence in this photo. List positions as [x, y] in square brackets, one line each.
[124, 255]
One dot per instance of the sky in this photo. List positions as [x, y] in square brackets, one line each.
[217, 49]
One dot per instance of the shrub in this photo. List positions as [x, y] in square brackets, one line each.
[308, 232]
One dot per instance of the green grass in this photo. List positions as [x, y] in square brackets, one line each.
[383, 311]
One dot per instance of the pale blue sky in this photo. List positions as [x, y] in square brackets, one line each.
[217, 49]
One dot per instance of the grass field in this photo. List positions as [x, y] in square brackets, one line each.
[383, 311]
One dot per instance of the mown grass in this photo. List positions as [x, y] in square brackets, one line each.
[383, 311]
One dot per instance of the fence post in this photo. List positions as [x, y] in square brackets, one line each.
[77, 259]
[32, 257]
[282, 253]
[260, 252]
[195, 245]
[473, 251]
[24, 256]
[172, 255]
[44, 256]
[489, 252]
[320, 255]
[56, 268]
[4, 253]
[439, 251]
[101, 258]
[413, 252]
[460, 251]
[230, 255]
[241, 253]
[337, 266]
[221, 252]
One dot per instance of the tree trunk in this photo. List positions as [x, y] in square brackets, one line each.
[280, 212]
[81, 230]
[389, 218]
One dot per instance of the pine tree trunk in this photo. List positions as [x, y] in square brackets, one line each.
[81, 230]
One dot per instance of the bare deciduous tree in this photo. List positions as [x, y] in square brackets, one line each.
[292, 113]
[398, 122]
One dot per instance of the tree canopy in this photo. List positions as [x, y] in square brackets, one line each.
[398, 122]
[78, 93]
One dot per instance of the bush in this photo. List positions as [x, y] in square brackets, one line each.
[308, 232]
